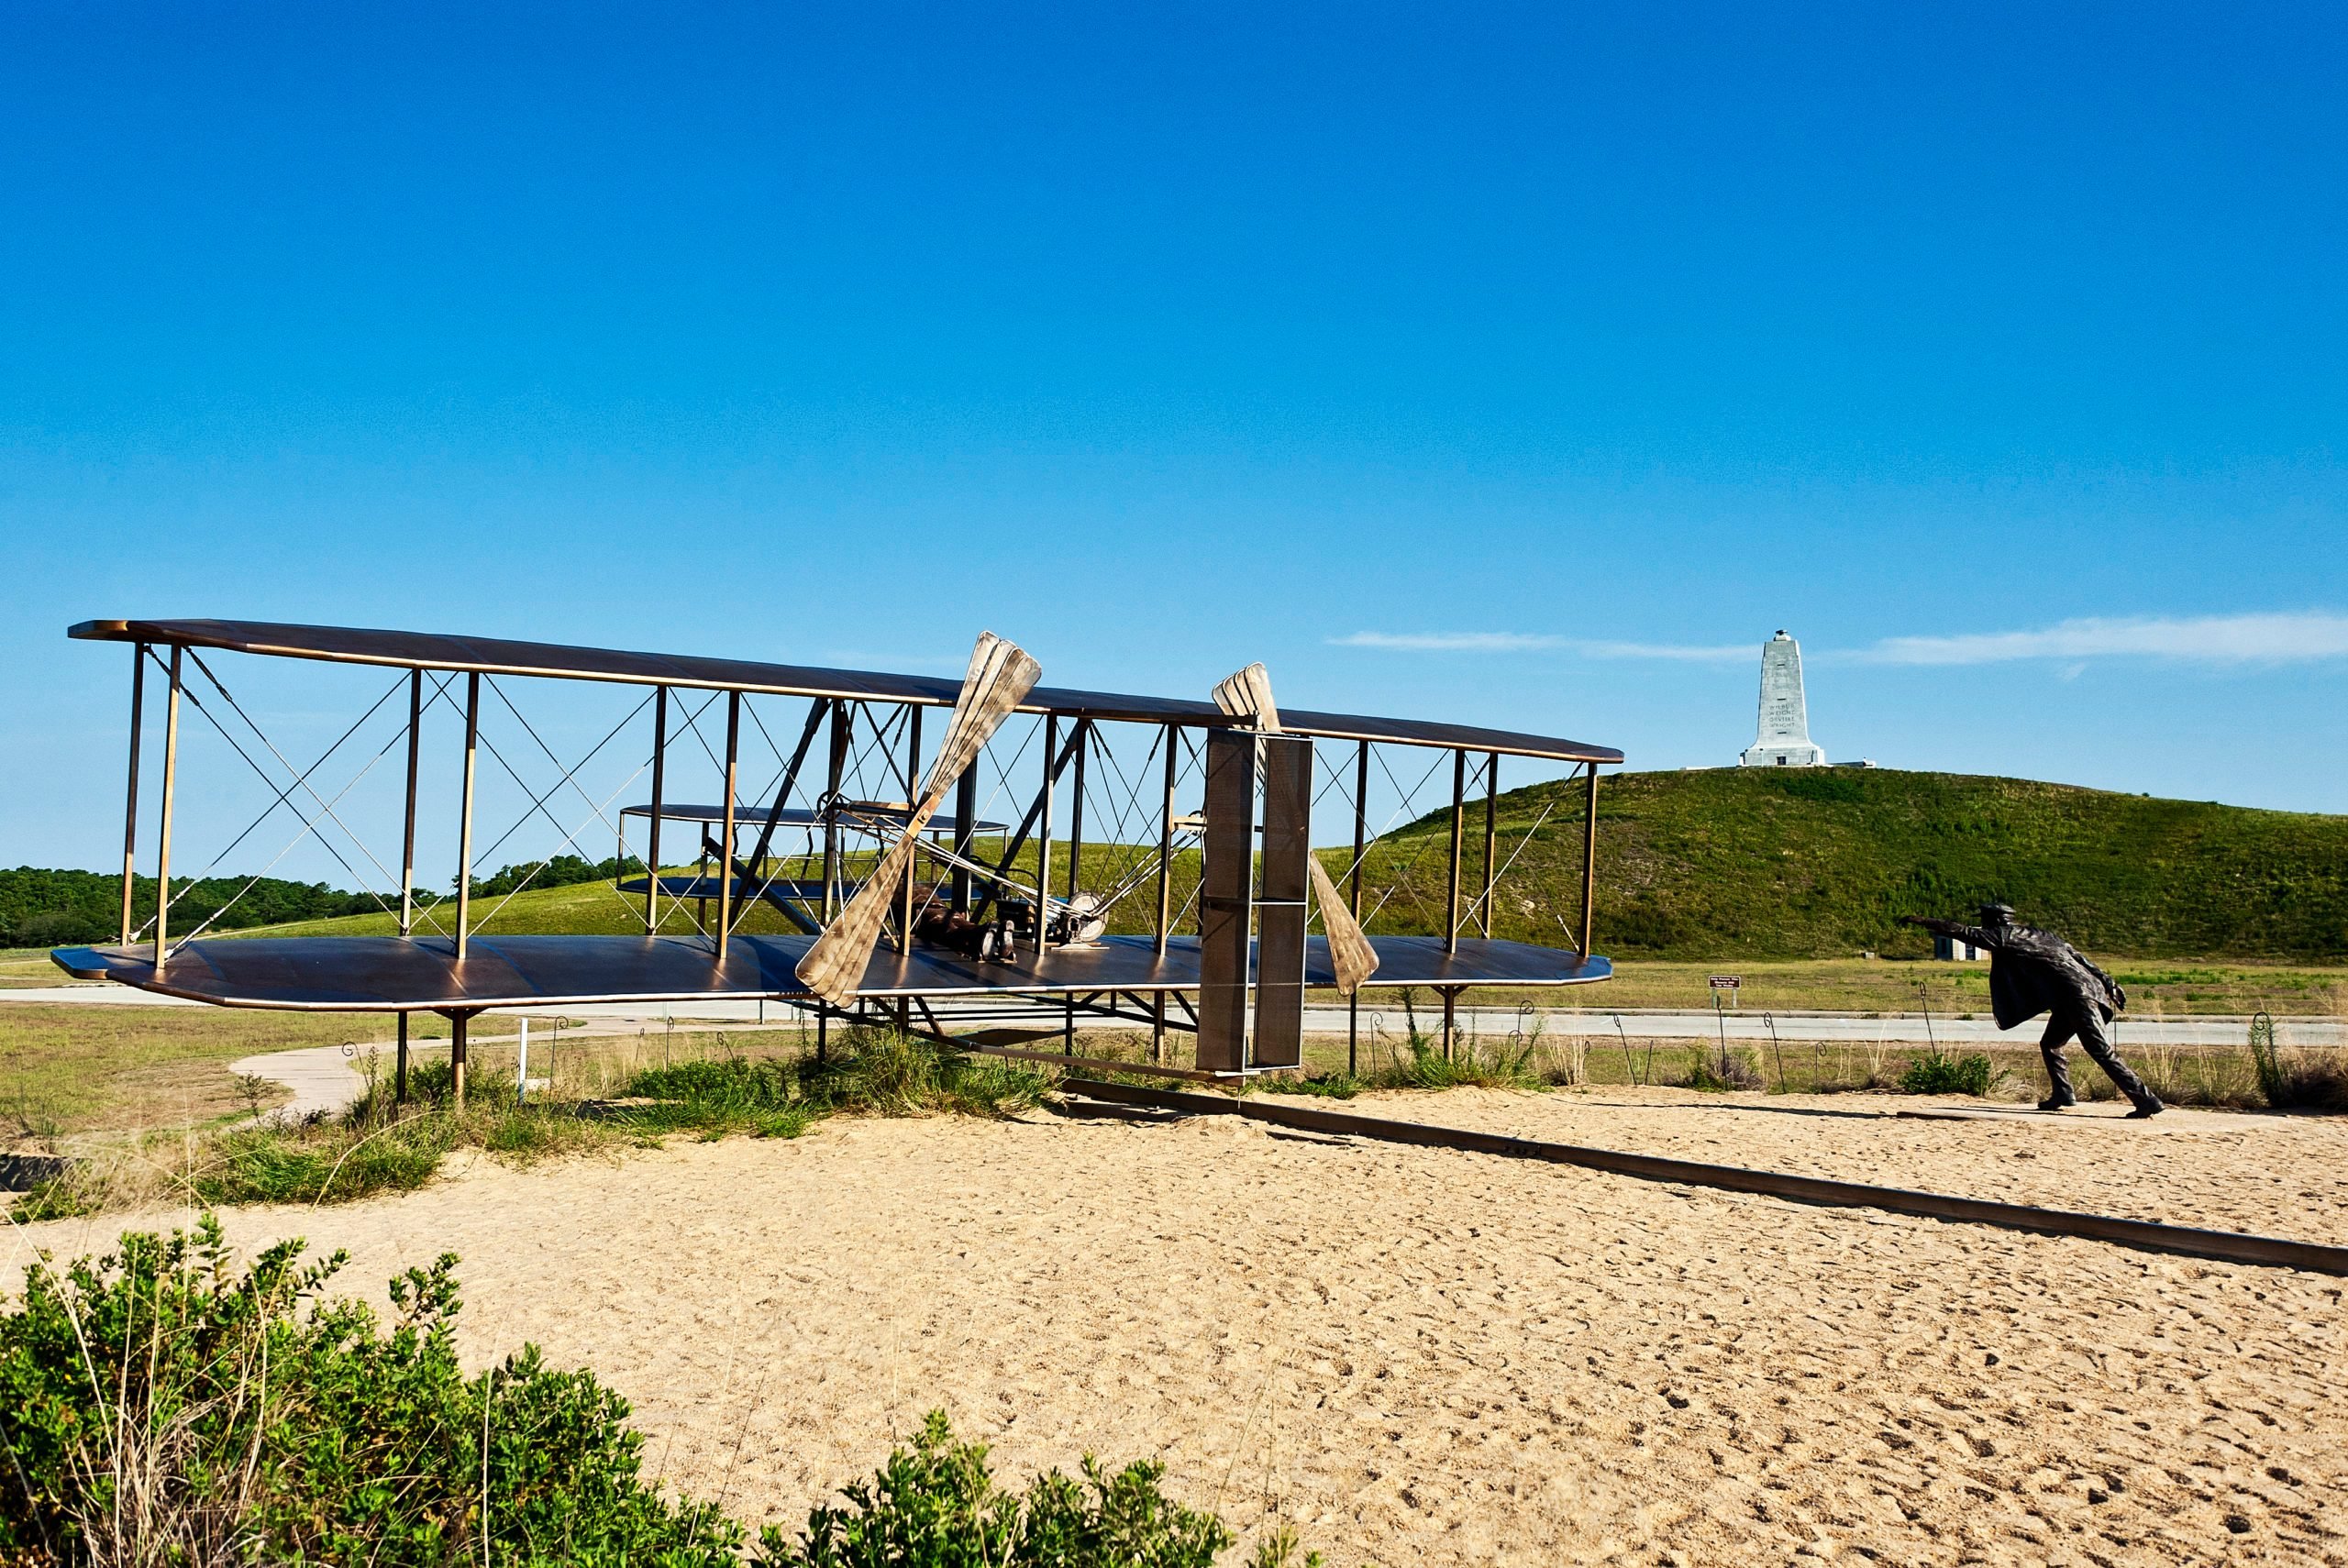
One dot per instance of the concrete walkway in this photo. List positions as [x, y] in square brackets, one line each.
[323, 1078]
[1383, 1012]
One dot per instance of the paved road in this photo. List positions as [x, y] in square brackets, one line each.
[1386, 1014]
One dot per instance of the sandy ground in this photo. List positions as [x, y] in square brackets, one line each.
[1421, 1356]
[2225, 1171]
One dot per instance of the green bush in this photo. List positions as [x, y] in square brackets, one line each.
[1721, 1074]
[158, 1406]
[1324, 1086]
[935, 1505]
[876, 1071]
[161, 1406]
[1937, 1072]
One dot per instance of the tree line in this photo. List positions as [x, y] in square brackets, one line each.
[43, 907]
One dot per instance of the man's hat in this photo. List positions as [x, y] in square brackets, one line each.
[1997, 909]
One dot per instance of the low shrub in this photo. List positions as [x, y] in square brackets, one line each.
[159, 1405]
[164, 1406]
[1721, 1074]
[1472, 1063]
[880, 1072]
[1937, 1072]
[936, 1505]
[1325, 1086]
[2301, 1080]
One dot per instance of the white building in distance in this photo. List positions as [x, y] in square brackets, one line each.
[1783, 740]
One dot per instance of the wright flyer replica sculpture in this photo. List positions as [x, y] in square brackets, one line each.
[852, 874]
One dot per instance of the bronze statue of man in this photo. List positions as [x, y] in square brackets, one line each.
[2033, 971]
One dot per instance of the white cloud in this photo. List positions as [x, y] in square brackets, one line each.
[2279, 638]
[1448, 641]
[1525, 641]
[1738, 653]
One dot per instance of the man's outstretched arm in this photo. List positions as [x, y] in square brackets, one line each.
[1973, 934]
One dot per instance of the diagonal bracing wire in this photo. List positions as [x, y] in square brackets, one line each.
[300, 779]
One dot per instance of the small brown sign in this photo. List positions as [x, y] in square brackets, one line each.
[1726, 982]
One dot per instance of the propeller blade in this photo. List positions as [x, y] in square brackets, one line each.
[1000, 676]
[1350, 953]
[1248, 694]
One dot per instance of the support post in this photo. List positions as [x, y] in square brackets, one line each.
[458, 1024]
[407, 861]
[1589, 865]
[912, 865]
[659, 799]
[408, 832]
[1492, 840]
[465, 831]
[1083, 740]
[1450, 1018]
[839, 739]
[966, 827]
[163, 834]
[1164, 890]
[130, 804]
[1043, 829]
[1458, 826]
[1353, 898]
[725, 871]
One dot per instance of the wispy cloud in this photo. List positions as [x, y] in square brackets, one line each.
[1448, 641]
[2282, 637]
[1523, 642]
[1695, 652]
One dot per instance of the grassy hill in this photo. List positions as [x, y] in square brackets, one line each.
[1818, 863]
[1750, 864]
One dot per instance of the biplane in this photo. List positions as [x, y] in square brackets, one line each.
[864, 882]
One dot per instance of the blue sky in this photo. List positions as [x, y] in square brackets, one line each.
[1528, 366]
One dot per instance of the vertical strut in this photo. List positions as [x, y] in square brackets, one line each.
[1043, 829]
[465, 834]
[460, 1024]
[130, 805]
[726, 844]
[966, 819]
[163, 834]
[912, 787]
[659, 780]
[1082, 741]
[840, 722]
[1492, 840]
[1353, 898]
[1589, 865]
[1165, 892]
[407, 834]
[1458, 822]
[407, 862]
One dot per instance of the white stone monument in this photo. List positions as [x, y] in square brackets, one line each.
[1783, 737]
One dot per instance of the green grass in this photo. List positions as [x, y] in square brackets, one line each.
[380, 1146]
[1730, 863]
[66, 1068]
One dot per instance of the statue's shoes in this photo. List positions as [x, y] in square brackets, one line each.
[2052, 1103]
[2142, 1111]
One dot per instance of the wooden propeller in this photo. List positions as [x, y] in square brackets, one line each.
[1000, 678]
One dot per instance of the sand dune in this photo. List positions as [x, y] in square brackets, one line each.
[1419, 1356]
